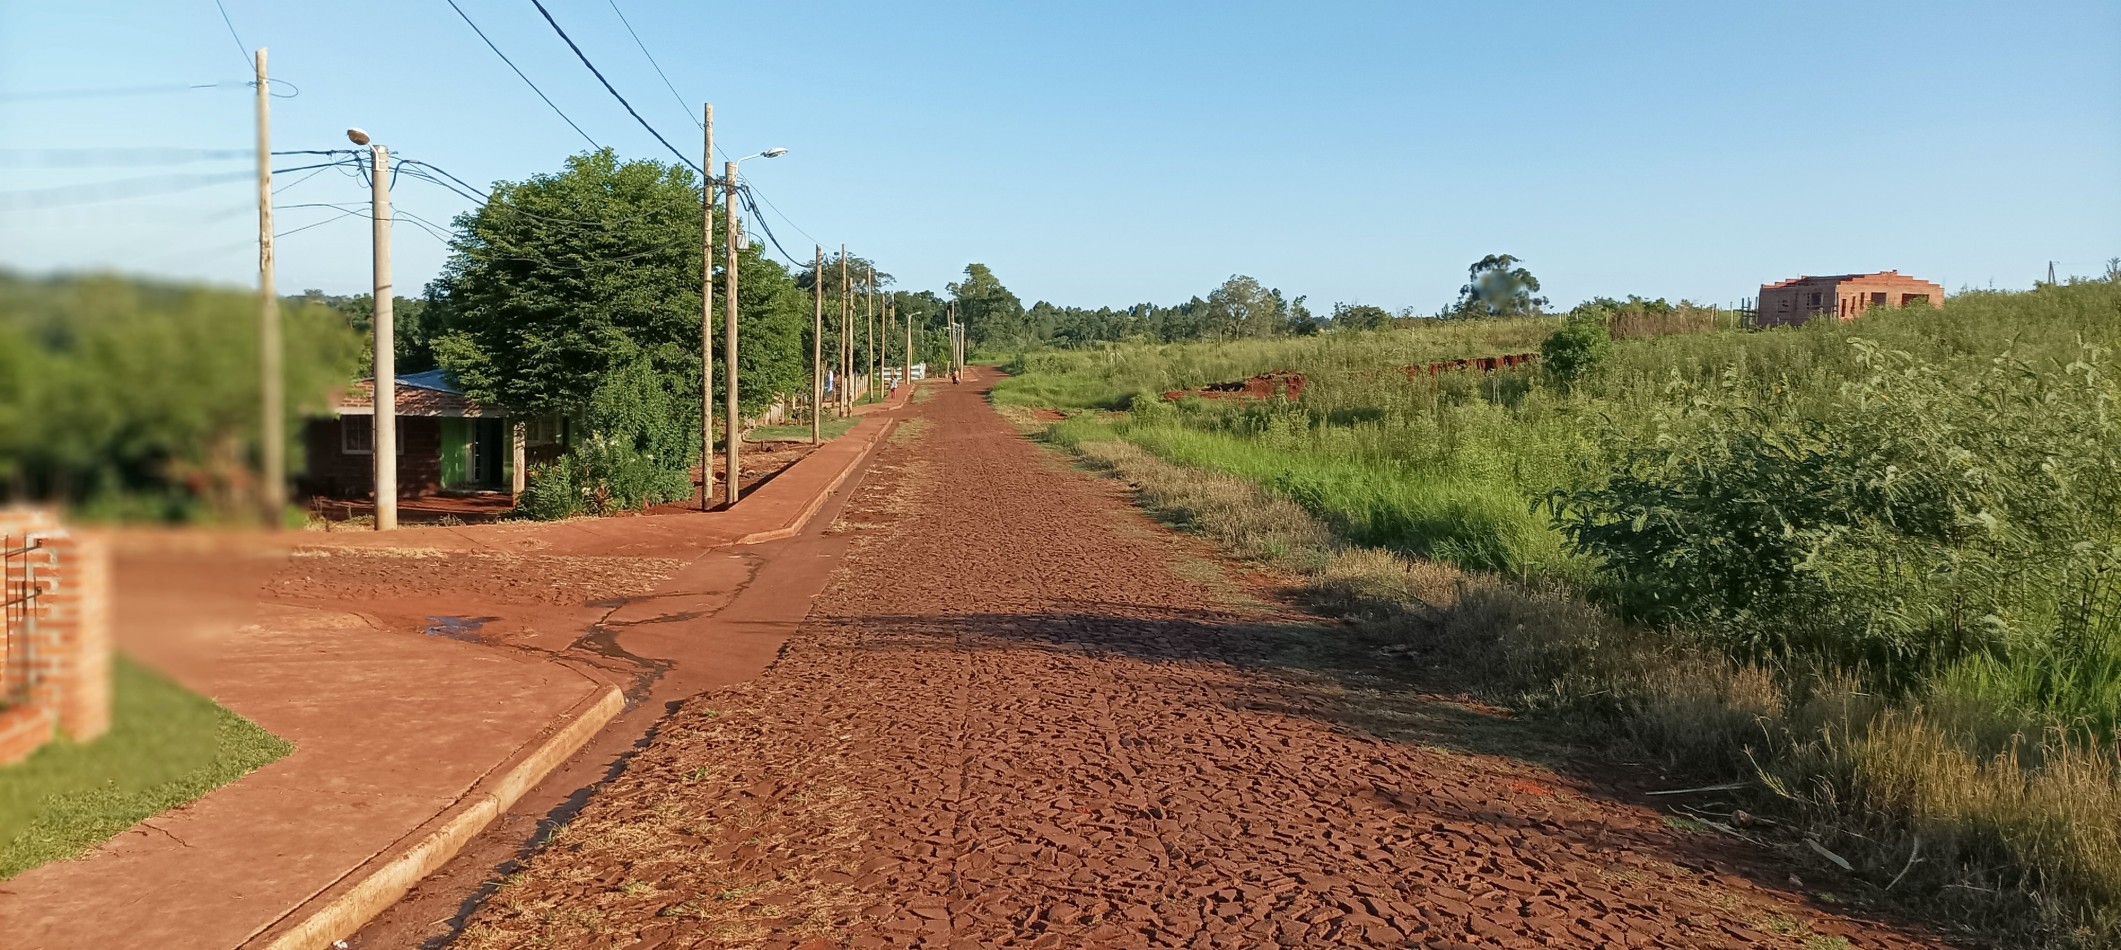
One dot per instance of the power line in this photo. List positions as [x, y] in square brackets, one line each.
[242, 49]
[317, 224]
[420, 170]
[113, 157]
[682, 105]
[93, 192]
[746, 191]
[784, 216]
[118, 91]
[309, 176]
[519, 75]
[547, 14]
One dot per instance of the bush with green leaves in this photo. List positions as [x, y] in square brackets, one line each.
[637, 451]
[137, 399]
[1577, 347]
[1926, 515]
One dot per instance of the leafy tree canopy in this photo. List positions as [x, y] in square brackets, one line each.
[561, 280]
[993, 317]
[565, 279]
[1497, 287]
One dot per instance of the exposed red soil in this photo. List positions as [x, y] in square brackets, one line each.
[1289, 385]
[1485, 364]
[1011, 722]
[1279, 384]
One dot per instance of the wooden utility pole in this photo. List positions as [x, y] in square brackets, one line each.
[732, 426]
[272, 450]
[817, 345]
[707, 315]
[385, 399]
[839, 394]
[905, 373]
[869, 320]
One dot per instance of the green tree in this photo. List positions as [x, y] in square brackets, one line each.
[139, 398]
[1242, 307]
[561, 280]
[993, 317]
[1497, 287]
[1360, 316]
[411, 332]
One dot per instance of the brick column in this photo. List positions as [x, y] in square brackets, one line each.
[67, 656]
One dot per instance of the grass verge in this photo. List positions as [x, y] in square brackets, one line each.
[166, 746]
[828, 430]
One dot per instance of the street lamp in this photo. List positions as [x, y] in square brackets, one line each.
[734, 434]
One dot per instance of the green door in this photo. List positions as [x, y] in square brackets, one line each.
[456, 452]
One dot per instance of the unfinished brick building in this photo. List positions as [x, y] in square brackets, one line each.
[1794, 301]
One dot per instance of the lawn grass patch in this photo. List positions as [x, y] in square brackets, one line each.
[800, 432]
[166, 746]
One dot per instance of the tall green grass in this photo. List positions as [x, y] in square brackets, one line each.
[1875, 564]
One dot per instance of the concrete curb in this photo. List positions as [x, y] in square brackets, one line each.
[817, 501]
[383, 884]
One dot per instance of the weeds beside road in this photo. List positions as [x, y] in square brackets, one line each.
[1874, 579]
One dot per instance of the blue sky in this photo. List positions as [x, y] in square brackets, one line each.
[1113, 153]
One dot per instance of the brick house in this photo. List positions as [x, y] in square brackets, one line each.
[1794, 301]
[447, 442]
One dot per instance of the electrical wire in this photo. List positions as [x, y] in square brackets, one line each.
[317, 224]
[117, 91]
[682, 105]
[309, 176]
[519, 75]
[242, 49]
[304, 168]
[584, 57]
[94, 192]
[113, 157]
[784, 216]
[421, 171]
[745, 191]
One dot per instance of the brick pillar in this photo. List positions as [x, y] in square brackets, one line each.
[74, 624]
[68, 656]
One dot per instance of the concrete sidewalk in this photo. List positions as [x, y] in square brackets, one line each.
[407, 745]
[392, 733]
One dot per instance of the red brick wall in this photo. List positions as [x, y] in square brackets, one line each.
[1845, 297]
[58, 645]
[339, 474]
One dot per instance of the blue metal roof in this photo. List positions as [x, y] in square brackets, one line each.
[435, 379]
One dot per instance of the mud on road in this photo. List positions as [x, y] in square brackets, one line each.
[1025, 715]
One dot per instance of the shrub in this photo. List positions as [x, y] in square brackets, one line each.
[1579, 346]
[1924, 515]
[636, 453]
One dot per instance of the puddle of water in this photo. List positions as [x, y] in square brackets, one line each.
[603, 640]
[457, 628]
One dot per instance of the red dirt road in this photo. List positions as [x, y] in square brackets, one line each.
[1024, 715]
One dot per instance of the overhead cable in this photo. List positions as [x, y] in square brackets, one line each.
[584, 57]
[519, 75]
